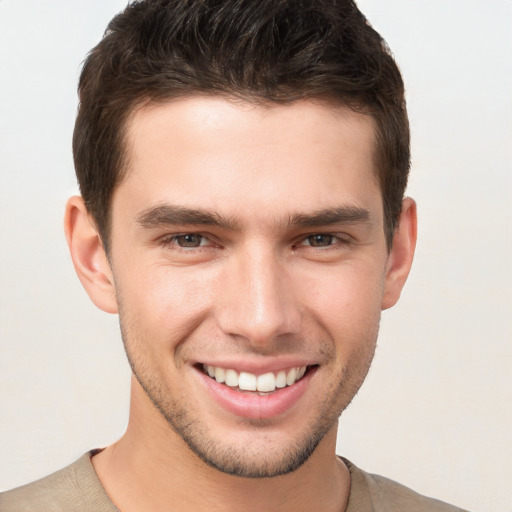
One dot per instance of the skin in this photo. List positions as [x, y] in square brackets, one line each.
[286, 265]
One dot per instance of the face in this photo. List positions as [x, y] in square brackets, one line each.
[249, 263]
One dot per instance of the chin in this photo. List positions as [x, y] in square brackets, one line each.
[257, 460]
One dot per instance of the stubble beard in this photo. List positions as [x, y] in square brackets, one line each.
[247, 461]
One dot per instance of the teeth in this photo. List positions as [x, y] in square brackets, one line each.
[220, 374]
[264, 383]
[281, 379]
[231, 378]
[291, 376]
[247, 381]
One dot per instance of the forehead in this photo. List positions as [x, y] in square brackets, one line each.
[240, 158]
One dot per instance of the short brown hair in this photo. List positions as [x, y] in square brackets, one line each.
[263, 51]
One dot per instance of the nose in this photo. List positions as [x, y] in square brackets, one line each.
[257, 300]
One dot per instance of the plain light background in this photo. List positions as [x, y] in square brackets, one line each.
[435, 412]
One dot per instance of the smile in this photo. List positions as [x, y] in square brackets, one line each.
[265, 383]
[265, 394]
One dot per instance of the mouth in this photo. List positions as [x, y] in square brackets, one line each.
[262, 384]
[261, 395]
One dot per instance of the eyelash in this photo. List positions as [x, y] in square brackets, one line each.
[335, 241]
[172, 240]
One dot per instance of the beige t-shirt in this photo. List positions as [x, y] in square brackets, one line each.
[77, 488]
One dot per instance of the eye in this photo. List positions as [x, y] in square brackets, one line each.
[190, 240]
[321, 240]
[185, 241]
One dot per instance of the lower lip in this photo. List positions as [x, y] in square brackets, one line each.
[254, 406]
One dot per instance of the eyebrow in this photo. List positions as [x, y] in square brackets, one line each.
[172, 215]
[168, 214]
[329, 216]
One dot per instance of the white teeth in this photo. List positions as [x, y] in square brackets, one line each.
[220, 374]
[247, 381]
[291, 376]
[281, 379]
[231, 378]
[264, 383]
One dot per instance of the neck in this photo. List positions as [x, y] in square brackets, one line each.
[151, 468]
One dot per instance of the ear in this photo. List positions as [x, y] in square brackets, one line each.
[401, 254]
[88, 255]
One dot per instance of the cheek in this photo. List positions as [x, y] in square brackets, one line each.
[349, 294]
[347, 307]
[164, 305]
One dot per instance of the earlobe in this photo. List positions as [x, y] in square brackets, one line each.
[88, 255]
[401, 254]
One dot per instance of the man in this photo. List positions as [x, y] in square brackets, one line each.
[242, 167]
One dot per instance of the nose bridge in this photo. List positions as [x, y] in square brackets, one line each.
[258, 302]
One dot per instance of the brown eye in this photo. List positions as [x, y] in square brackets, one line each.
[189, 240]
[320, 240]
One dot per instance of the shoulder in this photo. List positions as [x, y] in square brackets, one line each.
[75, 488]
[376, 493]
